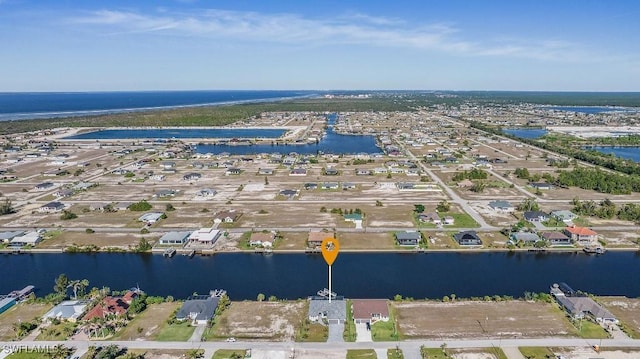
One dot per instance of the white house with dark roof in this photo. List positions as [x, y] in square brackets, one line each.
[52, 207]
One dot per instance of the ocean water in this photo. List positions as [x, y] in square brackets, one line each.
[27, 105]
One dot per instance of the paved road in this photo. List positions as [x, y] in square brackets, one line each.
[406, 346]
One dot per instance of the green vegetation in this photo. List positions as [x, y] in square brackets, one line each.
[361, 354]
[140, 206]
[67, 215]
[349, 333]
[590, 330]
[6, 207]
[434, 353]
[143, 245]
[229, 354]
[395, 353]
[474, 174]
[312, 332]
[386, 331]
[606, 209]
[57, 352]
[58, 331]
[461, 220]
[536, 353]
[176, 332]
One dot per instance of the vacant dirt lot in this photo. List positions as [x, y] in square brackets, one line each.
[100, 239]
[480, 320]
[146, 325]
[261, 320]
[625, 309]
[22, 312]
[366, 240]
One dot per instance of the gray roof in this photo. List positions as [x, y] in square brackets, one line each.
[7, 302]
[405, 236]
[337, 309]
[586, 305]
[526, 237]
[175, 237]
[9, 235]
[201, 307]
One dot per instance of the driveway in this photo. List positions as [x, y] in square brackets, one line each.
[363, 335]
[335, 333]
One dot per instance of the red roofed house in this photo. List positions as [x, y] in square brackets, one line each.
[581, 235]
[116, 306]
[370, 310]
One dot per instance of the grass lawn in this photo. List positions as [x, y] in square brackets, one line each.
[26, 356]
[57, 332]
[536, 352]
[179, 332]
[432, 353]
[361, 354]
[148, 324]
[590, 330]
[22, 312]
[395, 354]
[228, 353]
[312, 332]
[385, 331]
[350, 333]
[461, 220]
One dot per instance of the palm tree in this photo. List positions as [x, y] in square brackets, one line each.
[78, 286]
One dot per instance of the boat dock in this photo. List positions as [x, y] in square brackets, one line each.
[169, 252]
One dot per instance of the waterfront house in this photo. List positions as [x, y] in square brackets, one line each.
[205, 236]
[370, 310]
[564, 215]
[581, 235]
[199, 309]
[334, 313]
[580, 306]
[6, 303]
[502, 206]
[535, 216]
[229, 216]
[528, 238]
[315, 238]
[468, 238]
[262, 239]
[51, 207]
[27, 239]
[69, 310]
[174, 239]
[556, 238]
[6, 237]
[408, 238]
[111, 307]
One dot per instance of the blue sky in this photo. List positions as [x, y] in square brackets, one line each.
[68, 45]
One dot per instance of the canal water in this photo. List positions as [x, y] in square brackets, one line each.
[629, 152]
[361, 275]
[530, 133]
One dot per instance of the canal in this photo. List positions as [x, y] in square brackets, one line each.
[366, 275]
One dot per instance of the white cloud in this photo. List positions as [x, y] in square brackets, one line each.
[348, 29]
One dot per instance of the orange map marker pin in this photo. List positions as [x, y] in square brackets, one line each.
[330, 247]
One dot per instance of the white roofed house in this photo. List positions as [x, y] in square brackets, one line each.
[204, 236]
[27, 239]
[174, 239]
[229, 216]
[44, 186]
[150, 218]
[206, 193]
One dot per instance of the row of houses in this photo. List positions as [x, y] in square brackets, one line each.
[413, 238]
[335, 312]
[569, 236]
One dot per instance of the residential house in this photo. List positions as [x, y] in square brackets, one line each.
[111, 307]
[541, 185]
[27, 239]
[199, 309]
[289, 193]
[233, 171]
[83, 186]
[315, 238]
[194, 176]
[581, 235]
[167, 165]
[468, 238]
[431, 217]
[69, 310]
[310, 186]
[174, 239]
[265, 171]
[363, 172]
[448, 220]
[206, 193]
[205, 236]
[158, 177]
[556, 238]
[355, 218]
[535, 216]
[164, 193]
[298, 172]
[334, 312]
[6, 303]
[52, 207]
[122, 206]
[262, 239]
[348, 185]
[502, 206]
[6, 237]
[329, 171]
[329, 185]
[564, 215]
[528, 238]
[229, 216]
[370, 310]
[150, 218]
[44, 186]
[408, 238]
[580, 306]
